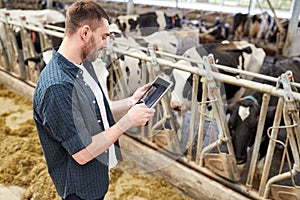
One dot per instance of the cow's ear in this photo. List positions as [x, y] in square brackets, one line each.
[256, 109]
[229, 108]
[233, 111]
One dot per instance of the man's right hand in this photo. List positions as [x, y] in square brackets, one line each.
[140, 114]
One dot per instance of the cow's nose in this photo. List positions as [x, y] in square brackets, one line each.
[241, 159]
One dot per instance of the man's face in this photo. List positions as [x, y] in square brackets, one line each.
[97, 42]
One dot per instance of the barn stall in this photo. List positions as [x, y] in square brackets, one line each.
[199, 172]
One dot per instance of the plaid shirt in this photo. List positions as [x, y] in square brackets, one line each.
[67, 116]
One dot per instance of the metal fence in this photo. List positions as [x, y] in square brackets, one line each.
[196, 138]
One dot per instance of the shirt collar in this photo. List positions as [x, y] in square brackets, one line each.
[71, 67]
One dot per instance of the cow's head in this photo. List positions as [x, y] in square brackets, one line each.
[172, 21]
[242, 124]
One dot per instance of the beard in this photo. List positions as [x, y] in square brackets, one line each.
[90, 51]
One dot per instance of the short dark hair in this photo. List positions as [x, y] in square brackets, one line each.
[84, 12]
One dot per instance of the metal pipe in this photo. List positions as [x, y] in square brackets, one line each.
[271, 147]
[278, 178]
[263, 88]
[259, 132]
[214, 93]
[56, 28]
[248, 73]
[222, 67]
[158, 124]
[207, 149]
[193, 116]
[291, 134]
[33, 26]
[201, 122]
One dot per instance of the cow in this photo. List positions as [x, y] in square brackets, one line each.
[220, 30]
[238, 54]
[164, 41]
[20, 36]
[216, 32]
[244, 113]
[240, 25]
[274, 31]
[260, 26]
[256, 27]
[34, 65]
[241, 55]
[147, 23]
[38, 18]
[169, 41]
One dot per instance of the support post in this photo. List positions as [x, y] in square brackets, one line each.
[130, 7]
[292, 27]
[49, 4]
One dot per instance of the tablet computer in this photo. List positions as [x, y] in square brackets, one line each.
[155, 92]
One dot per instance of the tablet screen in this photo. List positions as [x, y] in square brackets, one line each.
[155, 92]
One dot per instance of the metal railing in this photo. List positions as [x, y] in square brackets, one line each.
[220, 165]
[227, 160]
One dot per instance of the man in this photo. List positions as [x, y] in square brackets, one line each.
[73, 118]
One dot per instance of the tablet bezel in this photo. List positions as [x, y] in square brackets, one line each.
[159, 80]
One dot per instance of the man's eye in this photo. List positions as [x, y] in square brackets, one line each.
[105, 37]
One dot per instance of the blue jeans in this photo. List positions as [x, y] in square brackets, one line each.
[75, 197]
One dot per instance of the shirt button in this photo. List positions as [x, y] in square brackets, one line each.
[81, 72]
[106, 151]
[99, 120]
[77, 76]
[94, 102]
[85, 84]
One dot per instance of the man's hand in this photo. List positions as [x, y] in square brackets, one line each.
[138, 115]
[137, 94]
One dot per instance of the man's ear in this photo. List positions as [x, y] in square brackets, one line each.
[85, 32]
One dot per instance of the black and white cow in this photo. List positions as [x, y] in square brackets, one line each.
[33, 56]
[240, 25]
[239, 54]
[35, 65]
[164, 41]
[256, 27]
[214, 32]
[260, 26]
[274, 31]
[244, 113]
[39, 18]
[275, 35]
[147, 23]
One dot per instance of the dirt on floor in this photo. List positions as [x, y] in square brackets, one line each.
[23, 171]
